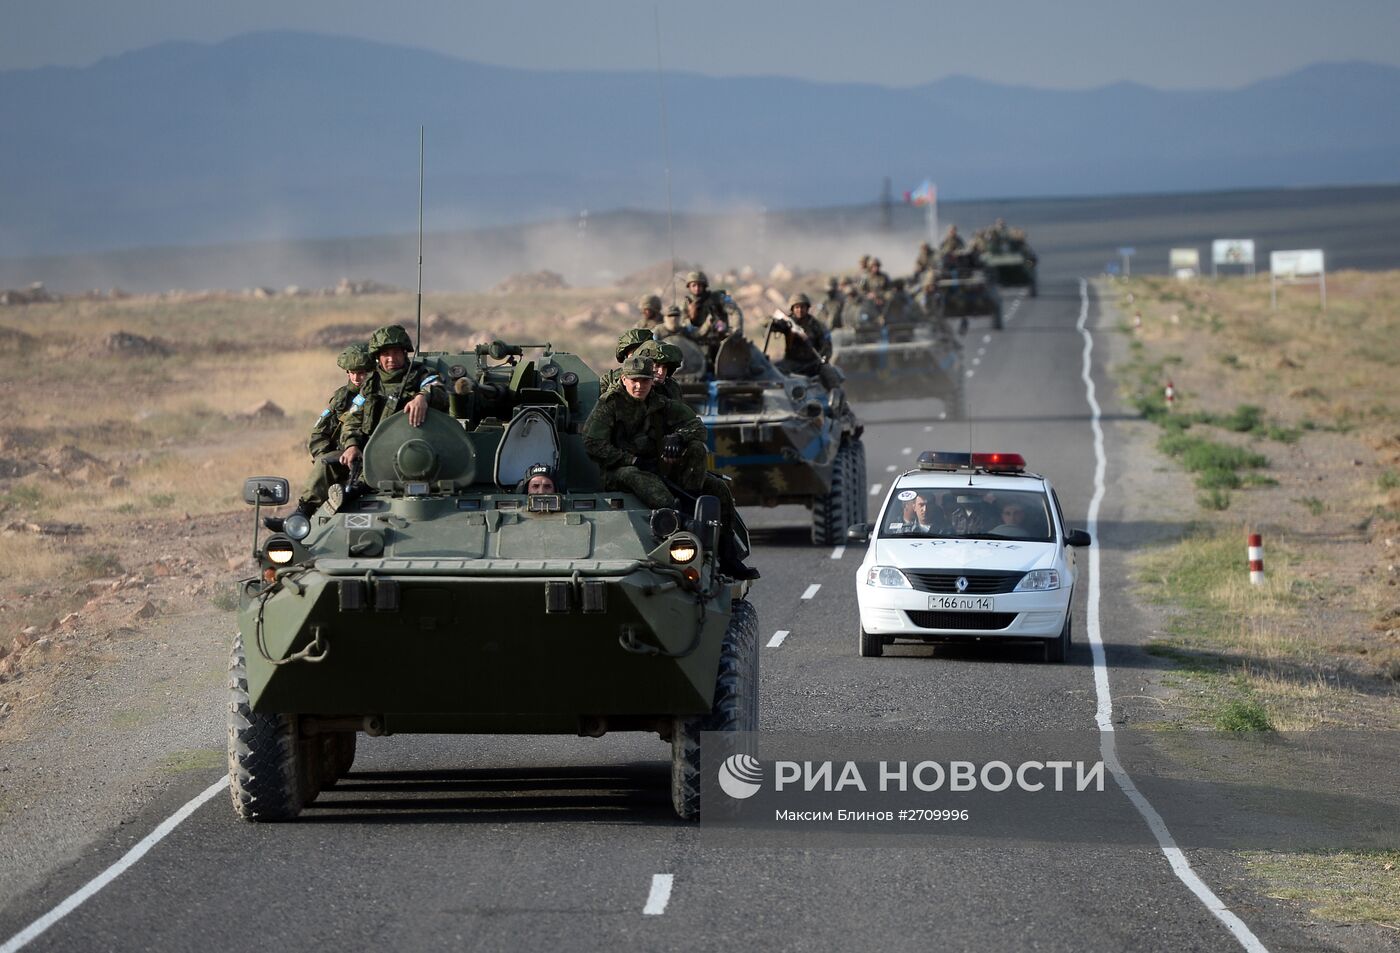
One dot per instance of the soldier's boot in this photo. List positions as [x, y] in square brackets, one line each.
[304, 507]
[731, 565]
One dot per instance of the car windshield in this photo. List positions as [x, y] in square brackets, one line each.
[968, 513]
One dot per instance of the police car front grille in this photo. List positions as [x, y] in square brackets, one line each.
[982, 621]
[984, 582]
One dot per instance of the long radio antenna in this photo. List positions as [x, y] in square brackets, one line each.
[418, 337]
[665, 152]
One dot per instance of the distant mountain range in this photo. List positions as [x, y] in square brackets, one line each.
[290, 135]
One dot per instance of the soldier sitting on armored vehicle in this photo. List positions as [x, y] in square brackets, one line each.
[952, 243]
[396, 385]
[650, 308]
[672, 323]
[667, 359]
[325, 443]
[807, 342]
[627, 344]
[648, 445]
[709, 319]
[875, 279]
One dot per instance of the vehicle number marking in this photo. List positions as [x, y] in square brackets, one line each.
[962, 603]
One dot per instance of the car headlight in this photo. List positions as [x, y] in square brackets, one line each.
[296, 526]
[279, 552]
[683, 550]
[1038, 580]
[886, 577]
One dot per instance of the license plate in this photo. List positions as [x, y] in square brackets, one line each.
[962, 603]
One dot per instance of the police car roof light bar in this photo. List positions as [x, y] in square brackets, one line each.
[955, 460]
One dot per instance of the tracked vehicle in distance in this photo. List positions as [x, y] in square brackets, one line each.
[444, 599]
[963, 291]
[1010, 263]
[782, 439]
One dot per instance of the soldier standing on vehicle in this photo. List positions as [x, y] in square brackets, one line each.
[627, 344]
[325, 443]
[642, 439]
[650, 308]
[396, 385]
[832, 302]
[705, 308]
[924, 261]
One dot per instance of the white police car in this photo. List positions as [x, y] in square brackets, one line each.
[968, 546]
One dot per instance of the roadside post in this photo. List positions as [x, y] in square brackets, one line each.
[1126, 253]
[1300, 267]
[1256, 559]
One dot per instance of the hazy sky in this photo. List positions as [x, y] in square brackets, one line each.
[1055, 43]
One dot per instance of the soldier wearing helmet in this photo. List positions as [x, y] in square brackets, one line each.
[875, 280]
[396, 385]
[832, 303]
[672, 323]
[709, 318]
[650, 308]
[627, 344]
[807, 341]
[666, 358]
[952, 242]
[652, 446]
[325, 445]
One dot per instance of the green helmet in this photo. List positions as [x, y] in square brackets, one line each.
[699, 277]
[671, 356]
[635, 367]
[355, 358]
[649, 303]
[631, 339]
[392, 335]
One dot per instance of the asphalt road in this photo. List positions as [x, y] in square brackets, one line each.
[555, 843]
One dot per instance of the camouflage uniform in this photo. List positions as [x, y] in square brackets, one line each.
[385, 393]
[624, 436]
[952, 243]
[631, 340]
[650, 308]
[803, 353]
[325, 443]
[659, 353]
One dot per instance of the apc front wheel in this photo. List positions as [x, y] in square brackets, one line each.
[267, 769]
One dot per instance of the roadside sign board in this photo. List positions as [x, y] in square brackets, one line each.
[1126, 251]
[1185, 262]
[1232, 251]
[1305, 263]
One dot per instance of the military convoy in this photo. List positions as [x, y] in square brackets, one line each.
[963, 291]
[442, 598]
[1008, 260]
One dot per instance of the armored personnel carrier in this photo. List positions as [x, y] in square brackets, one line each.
[443, 598]
[1010, 263]
[963, 291]
[898, 350]
[781, 438]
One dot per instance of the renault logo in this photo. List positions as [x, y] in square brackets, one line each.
[961, 584]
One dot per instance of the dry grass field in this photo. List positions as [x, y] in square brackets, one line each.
[1288, 423]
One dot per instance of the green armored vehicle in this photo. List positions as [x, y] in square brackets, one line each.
[780, 438]
[963, 291]
[1009, 261]
[444, 598]
[897, 350]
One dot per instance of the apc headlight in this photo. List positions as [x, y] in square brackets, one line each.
[1039, 580]
[886, 577]
[279, 552]
[684, 550]
[296, 526]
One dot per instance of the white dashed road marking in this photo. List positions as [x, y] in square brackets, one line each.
[986, 339]
[907, 450]
[811, 590]
[777, 638]
[891, 468]
[1108, 745]
[838, 552]
[660, 895]
[875, 490]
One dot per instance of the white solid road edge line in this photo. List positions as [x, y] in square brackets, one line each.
[660, 895]
[1108, 746]
[78, 897]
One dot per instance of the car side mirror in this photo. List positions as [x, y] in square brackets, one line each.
[1077, 537]
[858, 533]
[266, 491]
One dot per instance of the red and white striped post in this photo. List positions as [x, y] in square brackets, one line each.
[1256, 559]
[1169, 394]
